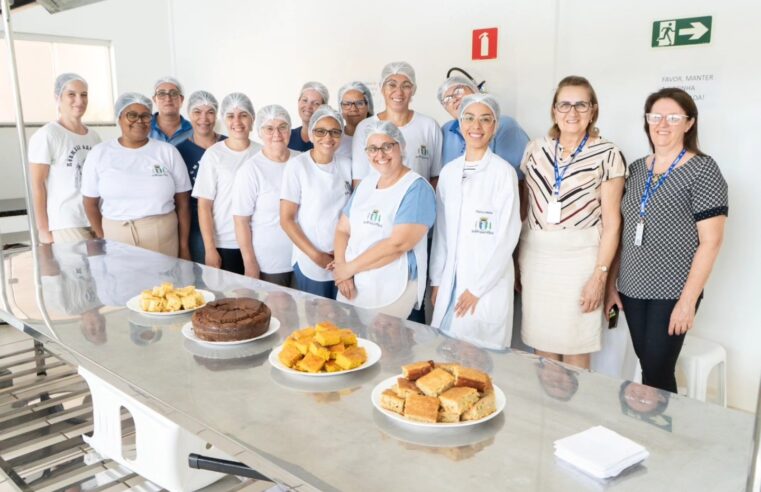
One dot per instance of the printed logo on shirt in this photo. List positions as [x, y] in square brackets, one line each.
[159, 170]
[347, 185]
[76, 159]
[373, 218]
[422, 152]
[483, 224]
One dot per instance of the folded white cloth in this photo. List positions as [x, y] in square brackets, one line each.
[600, 452]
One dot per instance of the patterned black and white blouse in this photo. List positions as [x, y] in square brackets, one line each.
[658, 269]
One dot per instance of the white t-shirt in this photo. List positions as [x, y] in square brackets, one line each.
[256, 194]
[65, 152]
[422, 136]
[134, 183]
[321, 190]
[214, 181]
[344, 148]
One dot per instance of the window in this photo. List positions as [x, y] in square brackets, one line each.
[40, 60]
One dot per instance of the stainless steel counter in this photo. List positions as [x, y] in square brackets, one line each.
[326, 435]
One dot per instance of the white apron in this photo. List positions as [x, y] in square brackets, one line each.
[372, 219]
[323, 196]
[477, 227]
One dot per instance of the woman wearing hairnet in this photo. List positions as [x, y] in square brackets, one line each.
[202, 112]
[421, 132]
[136, 189]
[321, 182]
[214, 185]
[265, 247]
[356, 104]
[477, 227]
[381, 257]
[57, 153]
[312, 96]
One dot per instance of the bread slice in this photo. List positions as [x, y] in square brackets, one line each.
[331, 366]
[472, 378]
[324, 326]
[336, 349]
[328, 337]
[417, 370]
[348, 337]
[483, 407]
[307, 332]
[390, 401]
[318, 350]
[351, 358]
[310, 363]
[447, 366]
[435, 382]
[458, 399]
[421, 408]
[303, 344]
[448, 417]
[289, 355]
[405, 387]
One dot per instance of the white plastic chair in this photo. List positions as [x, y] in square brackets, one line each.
[697, 359]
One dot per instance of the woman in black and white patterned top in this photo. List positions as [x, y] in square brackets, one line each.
[674, 209]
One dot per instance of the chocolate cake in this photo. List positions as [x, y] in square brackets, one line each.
[229, 320]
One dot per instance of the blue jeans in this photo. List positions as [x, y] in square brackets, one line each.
[195, 243]
[303, 283]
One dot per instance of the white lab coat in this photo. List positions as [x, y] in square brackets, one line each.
[477, 228]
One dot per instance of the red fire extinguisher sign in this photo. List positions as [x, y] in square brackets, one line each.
[485, 44]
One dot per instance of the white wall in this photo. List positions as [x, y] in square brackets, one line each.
[268, 50]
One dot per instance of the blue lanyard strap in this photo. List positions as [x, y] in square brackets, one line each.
[558, 175]
[650, 189]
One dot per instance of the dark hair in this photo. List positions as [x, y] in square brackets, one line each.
[685, 101]
[576, 81]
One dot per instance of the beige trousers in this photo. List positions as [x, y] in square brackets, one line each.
[72, 235]
[156, 233]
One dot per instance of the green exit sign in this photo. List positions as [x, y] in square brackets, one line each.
[681, 32]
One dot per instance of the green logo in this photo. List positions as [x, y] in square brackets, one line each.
[374, 216]
[682, 32]
[483, 224]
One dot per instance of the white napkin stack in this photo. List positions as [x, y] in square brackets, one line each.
[600, 452]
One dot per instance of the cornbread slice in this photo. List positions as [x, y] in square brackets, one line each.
[318, 350]
[303, 344]
[458, 399]
[421, 408]
[289, 356]
[152, 304]
[336, 349]
[303, 333]
[405, 387]
[483, 407]
[162, 289]
[189, 301]
[390, 401]
[328, 337]
[348, 337]
[200, 300]
[325, 326]
[448, 417]
[331, 366]
[173, 302]
[417, 369]
[435, 382]
[447, 366]
[351, 358]
[465, 376]
[310, 363]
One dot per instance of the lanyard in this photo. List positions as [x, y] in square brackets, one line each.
[649, 189]
[558, 175]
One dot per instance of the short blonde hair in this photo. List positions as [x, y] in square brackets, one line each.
[576, 81]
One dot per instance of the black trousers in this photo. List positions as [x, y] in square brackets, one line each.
[232, 260]
[648, 321]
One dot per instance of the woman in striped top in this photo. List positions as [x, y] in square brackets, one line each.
[574, 180]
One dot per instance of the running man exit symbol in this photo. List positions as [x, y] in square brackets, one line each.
[485, 44]
[680, 32]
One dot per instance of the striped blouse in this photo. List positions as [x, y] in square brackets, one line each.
[599, 161]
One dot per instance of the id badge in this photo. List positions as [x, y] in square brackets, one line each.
[553, 212]
[639, 233]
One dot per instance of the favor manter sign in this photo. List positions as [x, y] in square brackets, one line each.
[681, 32]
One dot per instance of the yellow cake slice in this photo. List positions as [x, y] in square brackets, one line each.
[289, 356]
[328, 337]
[318, 350]
[351, 358]
[310, 363]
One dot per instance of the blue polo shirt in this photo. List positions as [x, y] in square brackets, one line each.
[295, 143]
[509, 142]
[184, 133]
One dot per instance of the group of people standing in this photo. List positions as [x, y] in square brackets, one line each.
[370, 208]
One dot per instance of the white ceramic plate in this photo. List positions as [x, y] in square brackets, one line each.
[373, 356]
[134, 305]
[390, 382]
[187, 331]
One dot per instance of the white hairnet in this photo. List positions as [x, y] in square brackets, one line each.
[316, 86]
[378, 127]
[325, 111]
[202, 98]
[357, 86]
[398, 68]
[453, 82]
[65, 79]
[131, 98]
[237, 100]
[168, 80]
[485, 99]
[270, 113]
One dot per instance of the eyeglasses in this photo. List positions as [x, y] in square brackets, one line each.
[165, 94]
[393, 85]
[579, 106]
[270, 130]
[133, 116]
[485, 120]
[321, 132]
[385, 148]
[671, 119]
[456, 94]
[356, 104]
